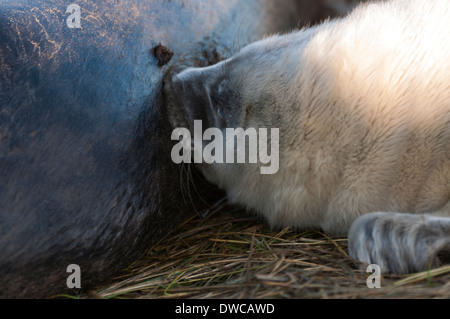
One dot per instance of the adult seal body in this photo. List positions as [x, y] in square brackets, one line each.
[85, 170]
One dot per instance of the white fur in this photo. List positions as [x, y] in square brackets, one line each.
[365, 113]
[363, 109]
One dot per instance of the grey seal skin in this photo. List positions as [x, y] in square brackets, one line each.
[85, 170]
[363, 108]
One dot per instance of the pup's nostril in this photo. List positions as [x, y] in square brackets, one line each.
[167, 85]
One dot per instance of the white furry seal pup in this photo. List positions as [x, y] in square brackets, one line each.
[363, 108]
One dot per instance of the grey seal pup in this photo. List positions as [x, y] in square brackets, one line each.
[362, 104]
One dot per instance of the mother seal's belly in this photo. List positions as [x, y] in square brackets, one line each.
[85, 170]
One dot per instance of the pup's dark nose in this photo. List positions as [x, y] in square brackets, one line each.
[187, 99]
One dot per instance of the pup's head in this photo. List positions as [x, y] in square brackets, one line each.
[248, 91]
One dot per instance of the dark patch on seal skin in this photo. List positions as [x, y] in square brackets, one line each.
[208, 57]
[163, 54]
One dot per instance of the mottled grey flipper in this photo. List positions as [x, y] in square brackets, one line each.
[400, 243]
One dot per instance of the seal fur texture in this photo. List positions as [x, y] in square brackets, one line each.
[363, 108]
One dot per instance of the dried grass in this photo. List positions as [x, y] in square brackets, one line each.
[232, 255]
